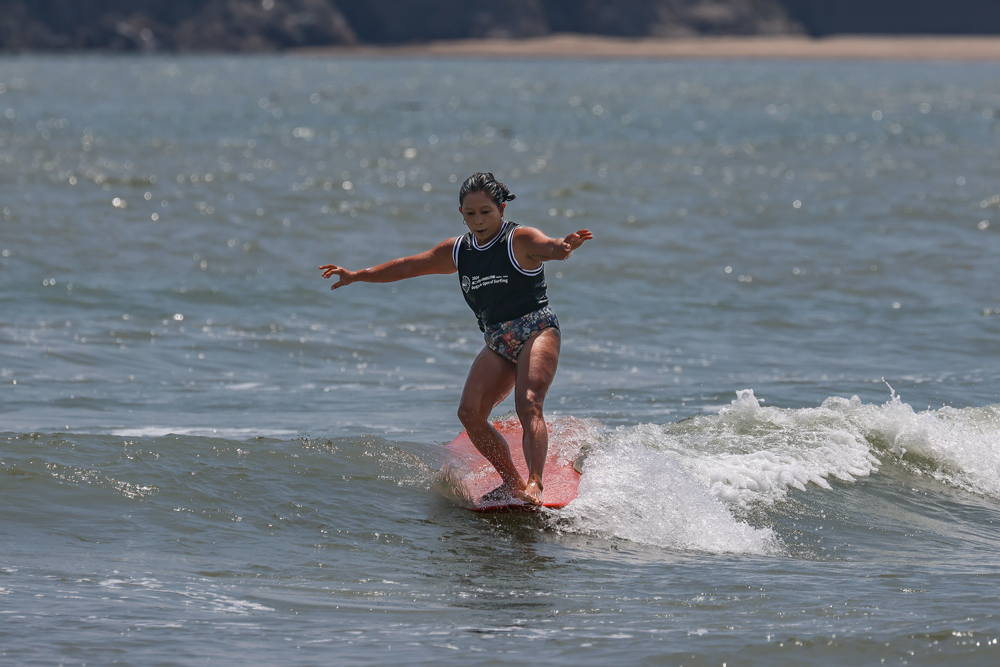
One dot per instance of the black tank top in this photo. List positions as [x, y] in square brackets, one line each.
[495, 286]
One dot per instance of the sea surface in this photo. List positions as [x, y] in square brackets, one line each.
[780, 358]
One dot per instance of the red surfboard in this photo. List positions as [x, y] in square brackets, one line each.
[468, 475]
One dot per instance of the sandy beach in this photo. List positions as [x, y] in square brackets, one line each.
[849, 47]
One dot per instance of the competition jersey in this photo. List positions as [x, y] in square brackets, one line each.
[495, 286]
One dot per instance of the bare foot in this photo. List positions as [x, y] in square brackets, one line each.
[532, 493]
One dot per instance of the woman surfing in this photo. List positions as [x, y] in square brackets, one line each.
[500, 267]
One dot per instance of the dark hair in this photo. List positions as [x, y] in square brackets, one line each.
[484, 181]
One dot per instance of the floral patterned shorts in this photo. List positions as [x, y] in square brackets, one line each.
[507, 338]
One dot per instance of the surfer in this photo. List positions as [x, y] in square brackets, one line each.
[500, 267]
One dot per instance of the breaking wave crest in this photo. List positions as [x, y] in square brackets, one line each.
[687, 485]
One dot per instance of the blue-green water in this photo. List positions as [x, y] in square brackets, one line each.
[782, 342]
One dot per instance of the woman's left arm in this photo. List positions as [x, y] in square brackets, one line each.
[532, 247]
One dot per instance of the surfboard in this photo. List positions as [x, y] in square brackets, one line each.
[469, 475]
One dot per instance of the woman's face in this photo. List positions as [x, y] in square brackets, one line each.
[483, 217]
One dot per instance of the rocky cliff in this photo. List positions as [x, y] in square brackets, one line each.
[382, 21]
[171, 25]
[943, 17]
[273, 25]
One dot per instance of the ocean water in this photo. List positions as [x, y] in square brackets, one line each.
[779, 356]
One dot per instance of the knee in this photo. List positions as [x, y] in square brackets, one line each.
[470, 415]
[529, 404]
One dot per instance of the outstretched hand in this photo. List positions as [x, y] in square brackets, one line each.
[576, 239]
[346, 277]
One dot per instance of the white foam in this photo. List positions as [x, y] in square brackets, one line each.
[243, 386]
[632, 492]
[427, 387]
[749, 453]
[683, 485]
[958, 446]
[230, 433]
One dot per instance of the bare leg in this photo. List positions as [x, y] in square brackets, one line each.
[490, 380]
[536, 367]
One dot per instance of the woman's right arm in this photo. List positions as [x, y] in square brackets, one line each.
[436, 260]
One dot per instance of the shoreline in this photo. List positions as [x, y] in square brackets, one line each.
[571, 46]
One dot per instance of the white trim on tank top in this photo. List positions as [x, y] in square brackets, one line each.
[455, 248]
[475, 241]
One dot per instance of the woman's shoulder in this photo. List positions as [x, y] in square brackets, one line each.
[449, 246]
[526, 232]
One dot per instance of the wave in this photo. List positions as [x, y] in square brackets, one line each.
[691, 485]
[714, 483]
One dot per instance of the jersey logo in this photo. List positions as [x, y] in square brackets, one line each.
[483, 281]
